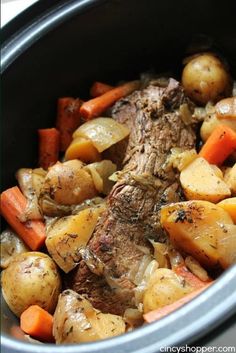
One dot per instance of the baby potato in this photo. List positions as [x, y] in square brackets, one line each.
[164, 288]
[201, 181]
[68, 183]
[205, 78]
[31, 278]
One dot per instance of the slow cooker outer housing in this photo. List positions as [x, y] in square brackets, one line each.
[60, 51]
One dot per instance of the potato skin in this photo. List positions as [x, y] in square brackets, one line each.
[31, 278]
[205, 78]
[68, 183]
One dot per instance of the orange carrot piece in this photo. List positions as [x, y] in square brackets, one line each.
[49, 140]
[99, 88]
[13, 206]
[68, 119]
[96, 106]
[37, 323]
[165, 310]
[189, 277]
[220, 144]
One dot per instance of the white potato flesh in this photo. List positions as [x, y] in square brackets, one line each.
[226, 244]
[164, 288]
[200, 182]
[230, 179]
[69, 234]
[195, 227]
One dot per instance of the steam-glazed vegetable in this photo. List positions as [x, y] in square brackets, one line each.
[69, 234]
[229, 205]
[25, 180]
[230, 179]
[164, 287]
[75, 320]
[226, 245]
[83, 149]
[195, 227]
[103, 132]
[68, 183]
[226, 108]
[200, 182]
[211, 122]
[31, 278]
[131, 249]
[205, 78]
[11, 245]
[101, 171]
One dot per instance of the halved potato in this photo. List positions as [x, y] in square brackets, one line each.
[195, 227]
[226, 245]
[69, 234]
[164, 288]
[230, 179]
[75, 320]
[200, 182]
[229, 205]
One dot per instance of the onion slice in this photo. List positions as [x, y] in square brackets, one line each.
[103, 132]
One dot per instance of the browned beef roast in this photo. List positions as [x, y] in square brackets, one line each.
[147, 182]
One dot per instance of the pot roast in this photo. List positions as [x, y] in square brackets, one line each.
[146, 182]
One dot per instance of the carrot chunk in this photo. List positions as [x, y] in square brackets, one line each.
[220, 144]
[96, 106]
[49, 140]
[13, 206]
[37, 323]
[99, 88]
[165, 310]
[68, 119]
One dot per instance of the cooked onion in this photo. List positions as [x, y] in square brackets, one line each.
[175, 258]
[185, 114]
[25, 180]
[144, 278]
[11, 245]
[161, 254]
[180, 158]
[103, 132]
[195, 267]
[133, 317]
[101, 171]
